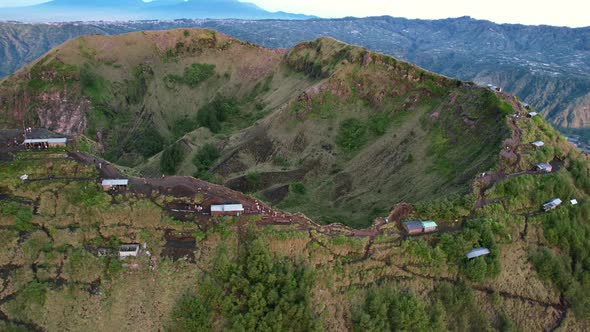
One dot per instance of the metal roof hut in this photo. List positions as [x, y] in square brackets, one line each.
[45, 142]
[429, 226]
[417, 227]
[227, 210]
[477, 252]
[532, 114]
[108, 184]
[552, 204]
[413, 227]
[538, 144]
[127, 250]
[545, 167]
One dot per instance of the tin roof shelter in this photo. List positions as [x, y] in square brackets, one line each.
[115, 182]
[545, 167]
[574, 202]
[45, 140]
[227, 208]
[552, 204]
[538, 144]
[127, 250]
[532, 114]
[477, 252]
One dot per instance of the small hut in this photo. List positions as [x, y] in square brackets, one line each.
[227, 210]
[545, 167]
[552, 204]
[45, 143]
[473, 253]
[127, 250]
[112, 184]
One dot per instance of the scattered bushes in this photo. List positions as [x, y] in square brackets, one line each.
[22, 215]
[378, 123]
[171, 159]
[352, 134]
[204, 159]
[215, 113]
[193, 75]
[87, 194]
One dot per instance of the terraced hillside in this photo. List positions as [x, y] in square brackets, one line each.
[325, 128]
[272, 269]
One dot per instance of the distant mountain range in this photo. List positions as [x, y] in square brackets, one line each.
[545, 66]
[112, 10]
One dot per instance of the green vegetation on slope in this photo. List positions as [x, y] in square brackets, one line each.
[253, 292]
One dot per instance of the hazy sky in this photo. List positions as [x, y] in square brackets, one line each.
[573, 13]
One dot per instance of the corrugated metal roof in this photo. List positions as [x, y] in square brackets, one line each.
[45, 140]
[574, 201]
[115, 182]
[555, 201]
[429, 224]
[533, 113]
[477, 252]
[227, 208]
[544, 166]
[410, 225]
[539, 143]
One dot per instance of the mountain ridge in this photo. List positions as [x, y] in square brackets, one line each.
[551, 77]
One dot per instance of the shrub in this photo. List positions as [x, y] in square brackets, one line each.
[22, 215]
[391, 310]
[254, 178]
[215, 113]
[206, 156]
[378, 124]
[297, 188]
[171, 159]
[197, 73]
[351, 135]
[192, 314]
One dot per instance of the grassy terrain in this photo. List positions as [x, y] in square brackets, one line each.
[250, 275]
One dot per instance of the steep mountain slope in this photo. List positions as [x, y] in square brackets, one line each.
[545, 66]
[353, 130]
[61, 236]
[81, 10]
